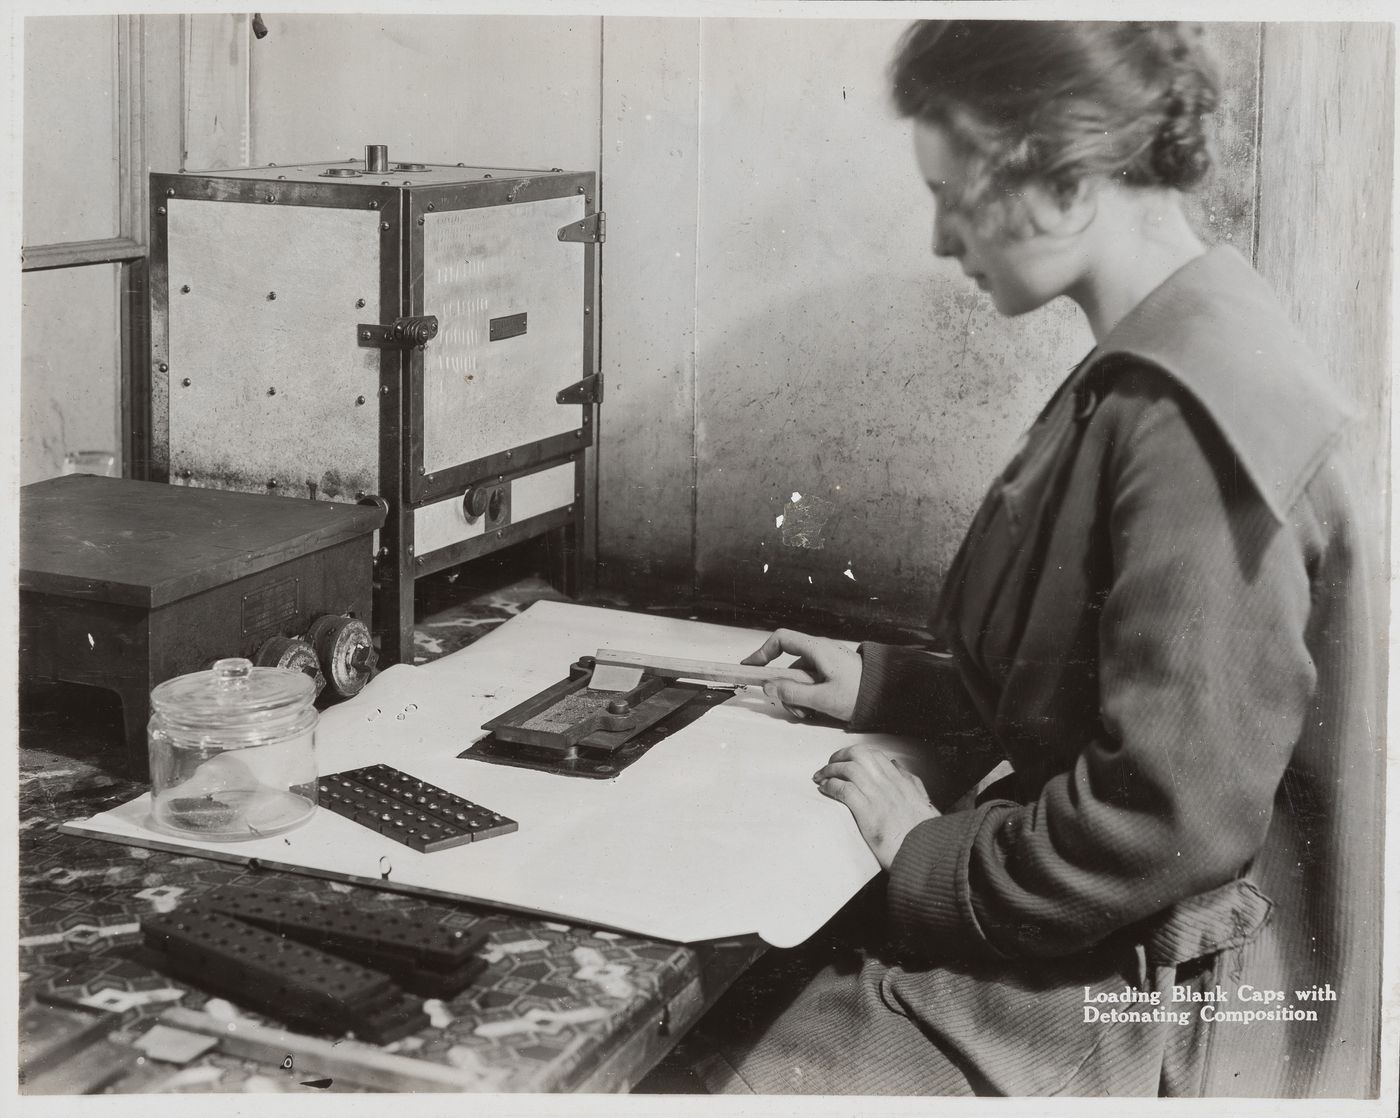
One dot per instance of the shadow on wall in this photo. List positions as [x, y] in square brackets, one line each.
[848, 432]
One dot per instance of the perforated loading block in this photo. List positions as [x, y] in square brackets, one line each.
[425, 959]
[285, 979]
[409, 810]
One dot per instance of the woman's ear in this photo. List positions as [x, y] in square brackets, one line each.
[1058, 214]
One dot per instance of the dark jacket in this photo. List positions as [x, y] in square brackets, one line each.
[1160, 619]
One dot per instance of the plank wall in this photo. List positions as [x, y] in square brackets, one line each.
[803, 406]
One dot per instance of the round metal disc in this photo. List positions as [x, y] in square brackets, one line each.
[293, 653]
[346, 651]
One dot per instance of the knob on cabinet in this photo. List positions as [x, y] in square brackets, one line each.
[484, 500]
[346, 652]
[292, 653]
[475, 502]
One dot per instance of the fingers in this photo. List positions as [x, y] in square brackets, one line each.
[792, 694]
[779, 642]
[859, 752]
[835, 669]
[874, 772]
[838, 786]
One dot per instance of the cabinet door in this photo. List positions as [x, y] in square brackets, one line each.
[509, 296]
[268, 388]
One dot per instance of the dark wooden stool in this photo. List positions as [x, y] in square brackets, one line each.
[125, 584]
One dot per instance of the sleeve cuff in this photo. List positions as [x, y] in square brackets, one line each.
[910, 691]
[929, 898]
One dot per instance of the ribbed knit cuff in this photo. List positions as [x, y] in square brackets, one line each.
[930, 901]
[910, 691]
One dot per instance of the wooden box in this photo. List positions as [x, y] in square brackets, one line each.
[125, 584]
[421, 336]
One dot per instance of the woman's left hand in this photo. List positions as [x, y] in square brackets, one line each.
[886, 799]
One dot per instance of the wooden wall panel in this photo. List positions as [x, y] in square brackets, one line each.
[650, 164]
[214, 72]
[772, 320]
[854, 395]
[70, 367]
[509, 91]
[71, 154]
[1325, 211]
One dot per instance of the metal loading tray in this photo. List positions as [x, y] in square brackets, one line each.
[571, 729]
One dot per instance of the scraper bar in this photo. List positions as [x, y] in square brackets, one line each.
[671, 667]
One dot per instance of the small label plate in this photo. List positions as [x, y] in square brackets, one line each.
[508, 326]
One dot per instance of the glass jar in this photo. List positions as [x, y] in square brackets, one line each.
[232, 752]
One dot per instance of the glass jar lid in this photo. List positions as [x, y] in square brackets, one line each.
[233, 698]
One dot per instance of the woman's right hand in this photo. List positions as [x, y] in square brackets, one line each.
[835, 668]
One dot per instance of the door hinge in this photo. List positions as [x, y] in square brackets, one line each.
[401, 333]
[592, 229]
[587, 391]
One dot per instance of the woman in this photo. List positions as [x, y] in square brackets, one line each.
[1157, 617]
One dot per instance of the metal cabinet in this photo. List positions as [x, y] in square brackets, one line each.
[421, 336]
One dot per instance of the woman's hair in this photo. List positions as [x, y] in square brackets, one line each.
[1054, 103]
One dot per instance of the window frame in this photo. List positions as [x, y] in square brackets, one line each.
[129, 248]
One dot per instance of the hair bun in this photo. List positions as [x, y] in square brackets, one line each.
[1181, 149]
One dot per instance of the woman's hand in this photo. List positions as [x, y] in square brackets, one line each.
[835, 668]
[886, 799]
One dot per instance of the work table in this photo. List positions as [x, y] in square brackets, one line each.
[560, 1008]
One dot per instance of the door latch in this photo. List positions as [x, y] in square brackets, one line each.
[399, 334]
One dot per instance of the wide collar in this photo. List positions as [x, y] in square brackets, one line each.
[1216, 328]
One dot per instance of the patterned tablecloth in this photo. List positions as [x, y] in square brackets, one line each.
[559, 1007]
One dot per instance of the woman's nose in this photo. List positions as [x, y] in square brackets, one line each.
[946, 241]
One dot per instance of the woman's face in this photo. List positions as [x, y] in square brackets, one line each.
[1021, 271]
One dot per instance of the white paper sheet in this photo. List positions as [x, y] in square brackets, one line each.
[715, 832]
